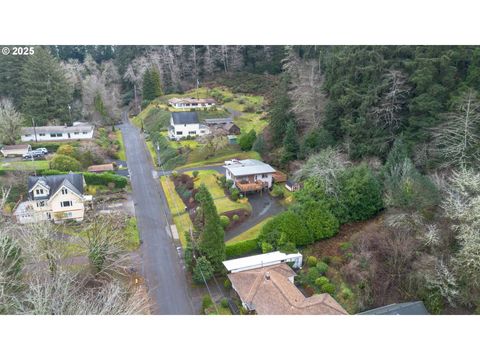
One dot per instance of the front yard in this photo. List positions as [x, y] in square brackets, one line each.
[24, 165]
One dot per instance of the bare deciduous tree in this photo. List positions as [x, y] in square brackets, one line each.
[457, 140]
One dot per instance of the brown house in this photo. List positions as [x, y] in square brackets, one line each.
[232, 129]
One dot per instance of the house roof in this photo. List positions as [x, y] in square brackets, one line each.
[249, 167]
[257, 261]
[218, 121]
[183, 118]
[291, 183]
[230, 125]
[72, 181]
[57, 129]
[16, 147]
[191, 101]
[408, 308]
[269, 291]
[99, 168]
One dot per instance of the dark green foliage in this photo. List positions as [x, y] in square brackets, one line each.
[152, 87]
[328, 288]
[211, 236]
[203, 270]
[247, 140]
[320, 222]
[315, 141]
[206, 303]
[290, 143]
[280, 113]
[227, 284]
[234, 194]
[259, 144]
[322, 267]
[284, 230]
[322, 280]
[46, 92]
[195, 173]
[311, 261]
[225, 221]
[105, 179]
[224, 303]
[65, 163]
[242, 248]
[360, 194]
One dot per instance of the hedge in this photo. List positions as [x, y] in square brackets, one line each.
[95, 179]
[241, 248]
[52, 146]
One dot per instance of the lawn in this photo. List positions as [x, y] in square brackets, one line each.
[153, 152]
[192, 144]
[198, 157]
[25, 165]
[222, 202]
[180, 216]
[154, 118]
[250, 234]
[132, 235]
[121, 152]
[249, 121]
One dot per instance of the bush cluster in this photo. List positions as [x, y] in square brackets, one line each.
[241, 248]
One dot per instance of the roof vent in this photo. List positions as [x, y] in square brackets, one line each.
[267, 275]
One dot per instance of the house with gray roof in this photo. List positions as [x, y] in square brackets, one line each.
[408, 308]
[249, 175]
[53, 197]
[78, 131]
[186, 124]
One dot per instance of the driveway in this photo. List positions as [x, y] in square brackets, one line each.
[161, 265]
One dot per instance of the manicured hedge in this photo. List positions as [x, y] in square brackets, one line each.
[52, 146]
[241, 248]
[95, 179]
[105, 178]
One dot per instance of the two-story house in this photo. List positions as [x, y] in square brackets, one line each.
[183, 124]
[249, 175]
[53, 197]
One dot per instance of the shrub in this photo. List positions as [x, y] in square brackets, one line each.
[50, 146]
[66, 150]
[311, 261]
[203, 270]
[105, 178]
[224, 303]
[322, 267]
[235, 194]
[346, 292]
[227, 284]
[195, 173]
[322, 280]
[235, 217]
[328, 288]
[206, 303]
[345, 246]
[320, 222]
[225, 221]
[241, 248]
[228, 184]
[277, 191]
[266, 247]
[291, 225]
[65, 163]
[246, 140]
[249, 108]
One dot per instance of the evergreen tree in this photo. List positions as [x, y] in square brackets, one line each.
[280, 113]
[211, 236]
[151, 85]
[10, 78]
[47, 93]
[290, 143]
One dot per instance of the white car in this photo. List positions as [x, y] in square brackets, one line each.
[42, 150]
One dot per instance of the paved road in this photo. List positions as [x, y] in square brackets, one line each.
[161, 265]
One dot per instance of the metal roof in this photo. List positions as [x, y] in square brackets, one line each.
[408, 308]
[249, 167]
[183, 118]
[57, 129]
[218, 121]
[262, 260]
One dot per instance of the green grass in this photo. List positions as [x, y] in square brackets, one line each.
[180, 217]
[132, 235]
[250, 234]
[222, 202]
[197, 157]
[121, 152]
[192, 144]
[154, 117]
[249, 121]
[153, 152]
[25, 165]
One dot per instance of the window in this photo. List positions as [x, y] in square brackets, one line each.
[66, 203]
[39, 192]
[41, 134]
[67, 214]
[40, 203]
[179, 132]
[85, 132]
[53, 135]
[28, 135]
[76, 133]
[192, 132]
[264, 176]
[64, 191]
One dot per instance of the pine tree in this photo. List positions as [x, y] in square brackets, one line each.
[152, 87]
[280, 113]
[211, 236]
[290, 143]
[47, 93]
[156, 83]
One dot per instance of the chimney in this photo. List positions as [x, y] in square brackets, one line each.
[267, 275]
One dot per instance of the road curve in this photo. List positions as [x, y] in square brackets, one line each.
[161, 264]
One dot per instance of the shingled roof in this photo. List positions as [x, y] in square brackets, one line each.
[73, 182]
[268, 291]
[183, 118]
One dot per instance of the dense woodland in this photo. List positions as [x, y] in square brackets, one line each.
[384, 132]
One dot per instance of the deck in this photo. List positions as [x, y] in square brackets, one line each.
[279, 176]
[250, 186]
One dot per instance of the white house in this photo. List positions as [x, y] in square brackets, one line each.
[15, 150]
[79, 131]
[262, 260]
[54, 197]
[190, 103]
[183, 124]
[250, 174]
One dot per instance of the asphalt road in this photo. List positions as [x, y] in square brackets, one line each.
[161, 264]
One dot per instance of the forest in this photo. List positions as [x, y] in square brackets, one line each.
[390, 133]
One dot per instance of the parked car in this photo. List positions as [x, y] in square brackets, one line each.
[33, 156]
[42, 150]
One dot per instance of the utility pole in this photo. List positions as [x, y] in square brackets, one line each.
[34, 129]
[70, 112]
